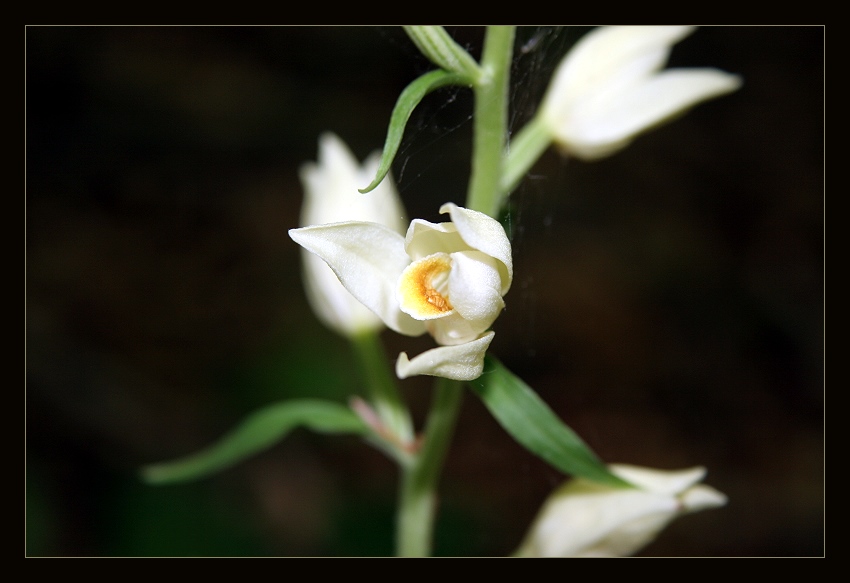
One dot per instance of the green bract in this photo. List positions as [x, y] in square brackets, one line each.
[407, 101]
[436, 44]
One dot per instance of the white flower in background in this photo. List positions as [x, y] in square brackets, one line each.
[587, 519]
[610, 88]
[330, 196]
[444, 278]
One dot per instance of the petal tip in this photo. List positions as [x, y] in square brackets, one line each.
[402, 366]
[447, 208]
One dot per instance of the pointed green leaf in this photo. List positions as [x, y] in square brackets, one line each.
[407, 101]
[533, 424]
[260, 430]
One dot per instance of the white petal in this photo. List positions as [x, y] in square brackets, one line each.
[587, 519]
[474, 286]
[632, 536]
[330, 196]
[485, 234]
[332, 303]
[425, 238]
[601, 127]
[327, 182]
[464, 362]
[331, 185]
[608, 89]
[606, 55]
[384, 202]
[702, 497]
[666, 482]
[368, 259]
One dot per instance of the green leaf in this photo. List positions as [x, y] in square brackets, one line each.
[533, 424]
[260, 430]
[407, 101]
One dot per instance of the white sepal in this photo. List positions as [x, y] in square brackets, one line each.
[368, 259]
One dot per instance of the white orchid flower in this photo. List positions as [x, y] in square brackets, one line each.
[330, 195]
[444, 278]
[587, 519]
[610, 88]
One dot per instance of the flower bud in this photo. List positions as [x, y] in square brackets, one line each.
[331, 196]
[610, 88]
[587, 519]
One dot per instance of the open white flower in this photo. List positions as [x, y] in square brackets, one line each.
[610, 88]
[444, 278]
[587, 519]
[330, 195]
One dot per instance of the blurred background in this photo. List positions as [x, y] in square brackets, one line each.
[668, 301]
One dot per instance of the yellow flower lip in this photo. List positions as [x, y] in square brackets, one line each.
[423, 287]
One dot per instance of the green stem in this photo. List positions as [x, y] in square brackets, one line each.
[418, 496]
[417, 499]
[491, 119]
[384, 394]
[526, 147]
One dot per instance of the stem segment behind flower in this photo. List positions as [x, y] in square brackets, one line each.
[491, 118]
[417, 499]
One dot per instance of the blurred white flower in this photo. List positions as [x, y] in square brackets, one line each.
[610, 88]
[330, 196]
[587, 519]
[444, 278]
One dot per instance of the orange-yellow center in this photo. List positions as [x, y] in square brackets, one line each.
[423, 287]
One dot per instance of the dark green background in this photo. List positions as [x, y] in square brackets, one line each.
[668, 302]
